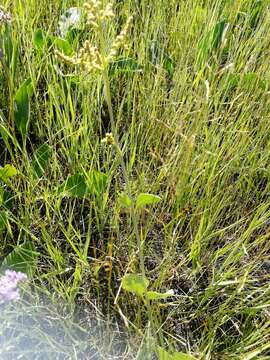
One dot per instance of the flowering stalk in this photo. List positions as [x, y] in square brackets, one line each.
[121, 156]
[90, 58]
[119, 41]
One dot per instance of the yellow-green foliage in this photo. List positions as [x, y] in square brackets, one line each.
[139, 149]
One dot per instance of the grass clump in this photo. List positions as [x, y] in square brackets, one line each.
[134, 175]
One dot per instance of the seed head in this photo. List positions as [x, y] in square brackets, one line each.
[107, 12]
[88, 58]
[64, 58]
[121, 39]
[95, 13]
[108, 140]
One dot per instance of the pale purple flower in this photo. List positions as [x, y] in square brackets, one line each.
[8, 285]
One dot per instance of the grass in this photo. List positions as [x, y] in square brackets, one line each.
[190, 101]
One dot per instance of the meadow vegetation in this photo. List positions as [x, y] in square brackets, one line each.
[135, 153]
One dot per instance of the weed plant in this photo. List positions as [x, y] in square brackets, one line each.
[135, 178]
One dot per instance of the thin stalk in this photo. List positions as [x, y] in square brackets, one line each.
[117, 146]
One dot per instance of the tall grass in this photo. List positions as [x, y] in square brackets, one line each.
[190, 99]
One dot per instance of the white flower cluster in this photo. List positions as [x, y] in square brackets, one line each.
[71, 19]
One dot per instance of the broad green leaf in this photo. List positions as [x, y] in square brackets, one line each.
[63, 46]
[22, 258]
[41, 160]
[40, 40]
[211, 42]
[7, 172]
[10, 47]
[97, 182]
[75, 186]
[256, 13]
[154, 295]
[80, 185]
[135, 283]
[165, 355]
[22, 107]
[147, 199]
[124, 200]
[217, 34]
[168, 65]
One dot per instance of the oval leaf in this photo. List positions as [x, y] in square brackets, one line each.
[39, 40]
[75, 186]
[7, 172]
[147, 199]
[212, 41]
[41, 160]
[124, 200]
[169, 66]
[154, 295]
[63, 45]
[97, 181]
[22, 107]
[135, 283]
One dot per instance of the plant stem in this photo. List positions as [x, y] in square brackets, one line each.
[118, 148]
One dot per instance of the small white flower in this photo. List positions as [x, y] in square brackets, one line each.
[71, 19]
[170, 292]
